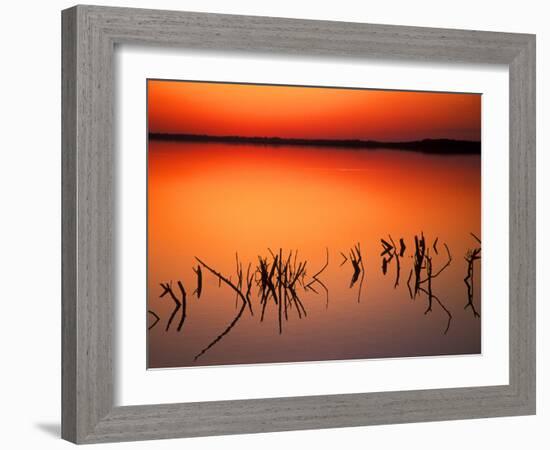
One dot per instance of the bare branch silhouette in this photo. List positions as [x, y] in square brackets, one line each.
[397, 262]
[221, 335]
[198, 272]
[472, 255]
[419, 263]
[345, 259]
[179, 303]
[225, 280]
[476, 238]
[157, 318]
[444, 266]
[424, 261]
[449, 315]
[403, 247]
[409, 284]
[245, 302]
[434, 246]
[315, 279]
[356, 259]
[390, 253]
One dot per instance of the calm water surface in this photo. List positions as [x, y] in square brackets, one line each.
[213, 200]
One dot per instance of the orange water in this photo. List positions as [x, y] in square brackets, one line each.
[212, 200]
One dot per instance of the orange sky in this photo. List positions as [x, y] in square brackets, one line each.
[305, 112]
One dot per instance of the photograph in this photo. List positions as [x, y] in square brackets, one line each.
[311, 223]
[271, 225]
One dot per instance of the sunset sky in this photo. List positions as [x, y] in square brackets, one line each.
[306, 112]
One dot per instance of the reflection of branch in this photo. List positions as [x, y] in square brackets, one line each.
[183, 303]
[278, 277]
[444, 266]
[245, 302]
[345, 259]
[356, 259]
[423, 260]
[227, 330]
[390, 249]
[157, 318]
[449, 315]
[471, 256]
[226, 281]
[356, 262]
[315, 279]
[239, 286]
[419, 253]
[322, 268]
[409, 284]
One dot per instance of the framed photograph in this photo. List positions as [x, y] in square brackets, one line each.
[279, 224]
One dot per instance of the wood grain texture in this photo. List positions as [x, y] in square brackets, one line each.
[68, 225]
[88, 296]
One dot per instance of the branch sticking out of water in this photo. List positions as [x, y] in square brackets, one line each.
[226, 281]
[198, 290]
[157, 318]
[179, 303]
[424, 261]
[419, 262]
[476, 238]
[472, 255]
[356, 259]
[245, 301]
[316, 279]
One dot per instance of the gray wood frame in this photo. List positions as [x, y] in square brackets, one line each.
[89, 36]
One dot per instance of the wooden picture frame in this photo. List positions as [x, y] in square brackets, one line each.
[90, 34]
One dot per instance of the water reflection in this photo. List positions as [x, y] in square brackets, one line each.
[318, 294]
[280, 278]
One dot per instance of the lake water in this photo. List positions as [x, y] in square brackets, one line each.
[213, 200]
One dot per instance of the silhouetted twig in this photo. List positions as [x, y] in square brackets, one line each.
[472, 255]
[316, 279]
[419, 263]
[226, 281]
[435, 246]
[345, 259]
[356, 259]
[423, 255]
[157, 318]
[198, 290]
[476, 238]
[221, 335]
[179, 303]
[397, 262]
[449, 315]
[390, 249]
[243, 297]
[409, 283]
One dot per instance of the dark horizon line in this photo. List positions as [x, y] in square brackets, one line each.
[429, 145]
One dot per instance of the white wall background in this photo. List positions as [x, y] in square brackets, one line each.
[30, 237]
